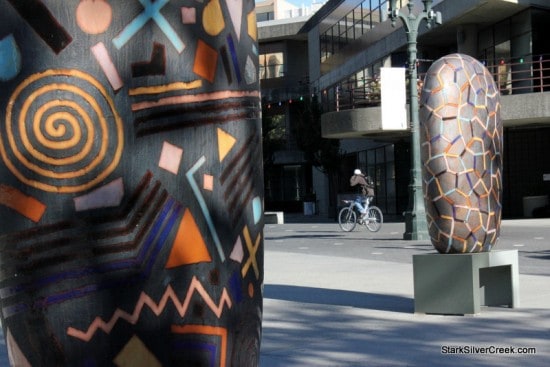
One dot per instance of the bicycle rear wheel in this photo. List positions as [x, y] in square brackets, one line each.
[347, 219]
[374, 219]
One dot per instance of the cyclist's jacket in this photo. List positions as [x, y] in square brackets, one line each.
[364, 187]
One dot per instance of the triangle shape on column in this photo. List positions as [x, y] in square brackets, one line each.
[235, 8]
[225, 143]
[136, 354]
[189, 246]
[237, 254]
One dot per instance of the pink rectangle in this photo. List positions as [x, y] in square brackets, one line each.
[102, 56]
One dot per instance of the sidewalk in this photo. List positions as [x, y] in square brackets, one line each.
[337, 311]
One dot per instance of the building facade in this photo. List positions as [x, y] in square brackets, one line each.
[284, 79]
[349, 41]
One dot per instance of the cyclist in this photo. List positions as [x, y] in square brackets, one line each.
[365, 190]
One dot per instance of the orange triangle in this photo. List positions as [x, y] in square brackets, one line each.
[225, 143]
[189, 246]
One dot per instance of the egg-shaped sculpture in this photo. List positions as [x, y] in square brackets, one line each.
[461, 151]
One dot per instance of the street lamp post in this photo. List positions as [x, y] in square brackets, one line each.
[416, 227]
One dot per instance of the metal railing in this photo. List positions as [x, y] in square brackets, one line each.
[516, 77]
[521, 76]
[364, 93]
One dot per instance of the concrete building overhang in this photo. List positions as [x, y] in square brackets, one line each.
[282, 29]
[357, 123]
[531, 109]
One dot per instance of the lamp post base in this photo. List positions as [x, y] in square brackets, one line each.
[415, 227]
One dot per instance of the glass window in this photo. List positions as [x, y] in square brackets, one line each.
[342, 33]
[367, 21]
[380, 156]
[362, 160]
[262, 17]
[271, 65]
[350, 22]
[360, 77]
[353, 25]
[358, 19]
[370, 158]
[389, 153]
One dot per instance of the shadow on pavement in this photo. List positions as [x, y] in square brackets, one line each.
[338, 297]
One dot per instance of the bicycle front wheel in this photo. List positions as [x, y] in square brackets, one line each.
[347, 219]
[374, 219]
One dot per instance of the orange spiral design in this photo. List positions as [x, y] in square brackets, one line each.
[63, 133]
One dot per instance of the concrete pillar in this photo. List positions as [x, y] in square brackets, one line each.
[131, 193]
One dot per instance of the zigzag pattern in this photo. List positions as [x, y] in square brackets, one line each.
[157, 308]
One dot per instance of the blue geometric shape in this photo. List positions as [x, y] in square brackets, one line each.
[257, 209]
[203, 206]
[10, 58]
[151, 11]
[191, 347]
[234, 57]
[235, 287]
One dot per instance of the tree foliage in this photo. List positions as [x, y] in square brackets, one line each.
[273, 136]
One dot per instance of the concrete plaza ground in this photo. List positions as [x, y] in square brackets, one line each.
[354, 305]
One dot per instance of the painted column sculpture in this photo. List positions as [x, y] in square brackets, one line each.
[131, 193]
[461, 139]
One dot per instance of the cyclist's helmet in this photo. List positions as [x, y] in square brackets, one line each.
[357, 172]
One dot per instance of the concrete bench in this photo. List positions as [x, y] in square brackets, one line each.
[274, 218]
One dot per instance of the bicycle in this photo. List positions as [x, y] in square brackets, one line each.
[349, 216]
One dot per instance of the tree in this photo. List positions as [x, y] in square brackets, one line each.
[273, 136]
